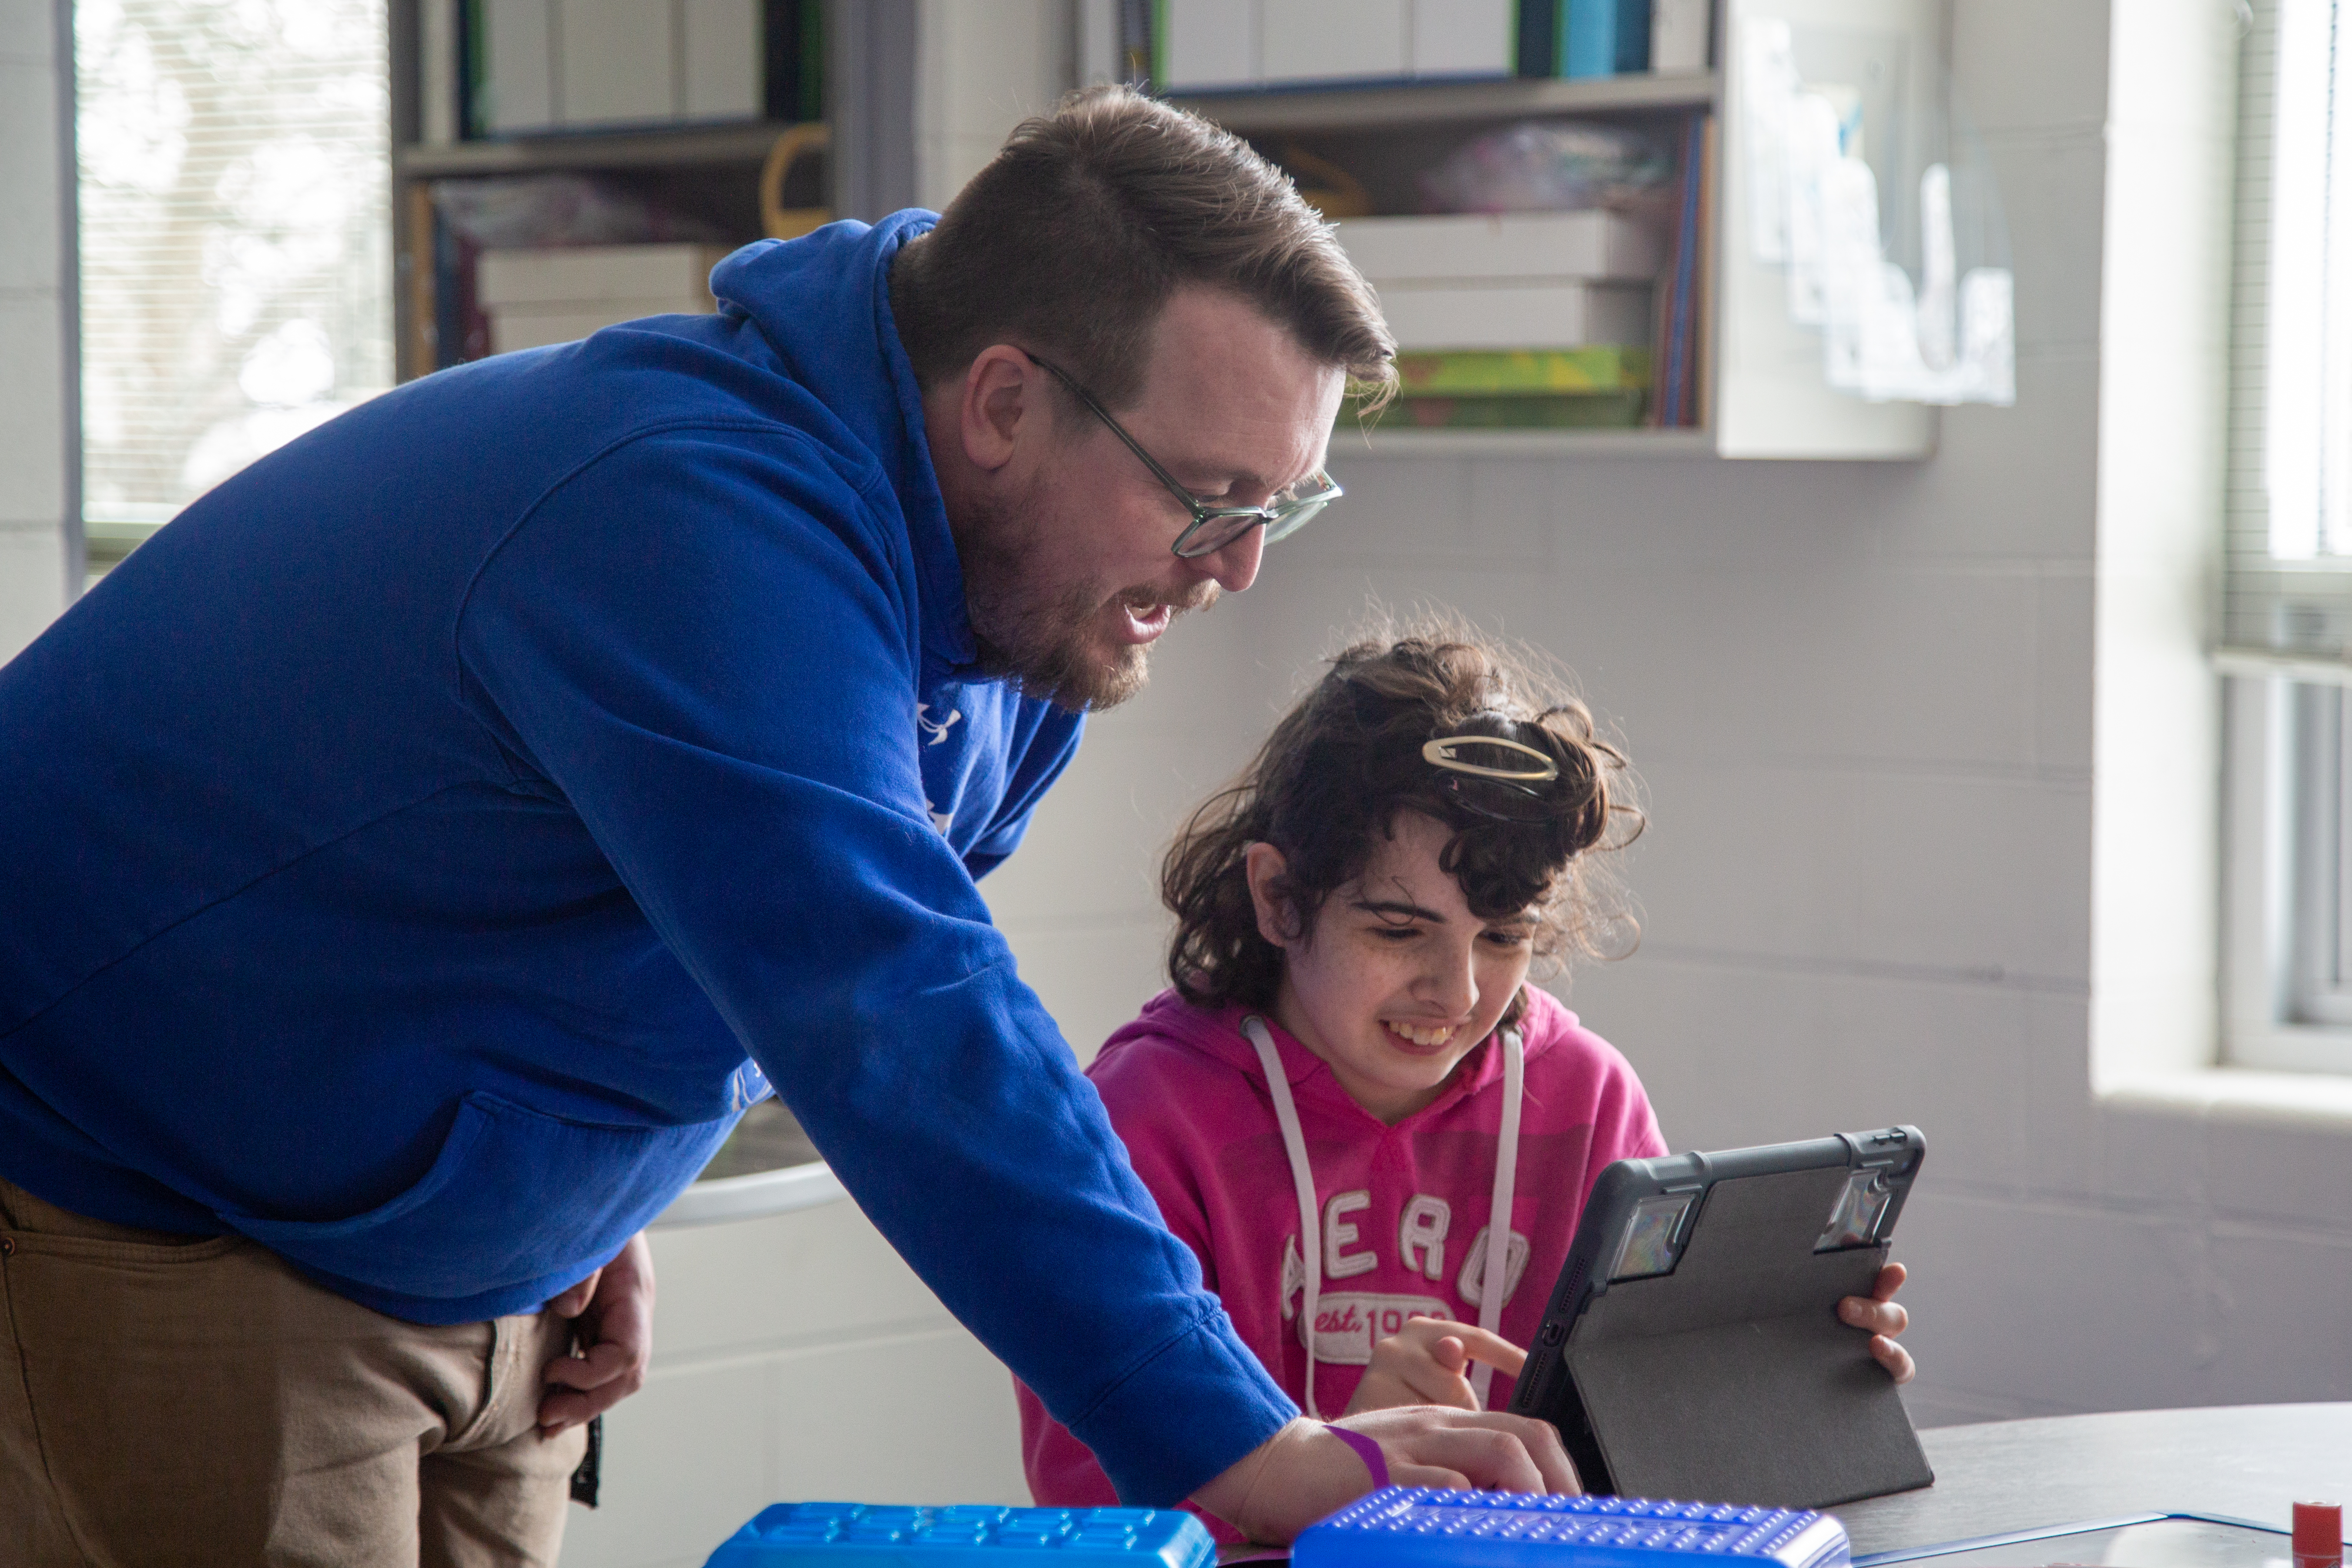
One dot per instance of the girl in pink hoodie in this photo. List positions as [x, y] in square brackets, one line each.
[1351, 1055]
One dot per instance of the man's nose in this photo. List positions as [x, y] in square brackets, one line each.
[1236, 566]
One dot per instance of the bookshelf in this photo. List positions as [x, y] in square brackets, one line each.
[709, 173]
[1762, 391]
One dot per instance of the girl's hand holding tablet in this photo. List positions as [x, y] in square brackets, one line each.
[1879, 1313]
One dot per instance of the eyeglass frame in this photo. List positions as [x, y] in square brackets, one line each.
[1279, 522]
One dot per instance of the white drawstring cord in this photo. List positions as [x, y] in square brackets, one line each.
[1311, 1229]
[1302, 1178]
[1498, 1212]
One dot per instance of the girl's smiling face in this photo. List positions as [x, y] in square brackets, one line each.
[1396, 980]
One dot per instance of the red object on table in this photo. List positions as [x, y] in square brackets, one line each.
[2318, 1534]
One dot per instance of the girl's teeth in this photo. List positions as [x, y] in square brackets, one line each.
[1433, 1034]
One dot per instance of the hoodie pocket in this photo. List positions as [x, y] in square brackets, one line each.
[514, 1195]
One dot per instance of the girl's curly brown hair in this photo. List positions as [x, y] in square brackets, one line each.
[1342, 763]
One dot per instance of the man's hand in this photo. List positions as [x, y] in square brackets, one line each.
[612, 1327]
[1426, 1365]
[1878, 1313]
[1303, 1472]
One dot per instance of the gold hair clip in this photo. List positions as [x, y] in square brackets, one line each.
[1443, 751]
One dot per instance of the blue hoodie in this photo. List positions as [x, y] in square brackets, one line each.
[420, 852]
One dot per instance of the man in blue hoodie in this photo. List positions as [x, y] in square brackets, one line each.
[422, 850]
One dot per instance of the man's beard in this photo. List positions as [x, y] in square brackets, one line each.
[1041, 641]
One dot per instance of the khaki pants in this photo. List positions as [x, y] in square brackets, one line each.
[166, 1401]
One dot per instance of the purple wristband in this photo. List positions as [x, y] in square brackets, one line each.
[1366, 1450]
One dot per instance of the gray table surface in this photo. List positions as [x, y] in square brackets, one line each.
[2250, 1461]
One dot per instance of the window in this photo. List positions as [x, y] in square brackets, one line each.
[2287, 608]
[236, 239]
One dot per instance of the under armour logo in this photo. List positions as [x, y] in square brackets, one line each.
[936, 729]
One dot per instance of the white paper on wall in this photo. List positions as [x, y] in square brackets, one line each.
[1946, 338]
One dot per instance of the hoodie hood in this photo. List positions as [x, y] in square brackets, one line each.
[822, 304]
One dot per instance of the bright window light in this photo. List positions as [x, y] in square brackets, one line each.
[235, 238]
[2306, 474]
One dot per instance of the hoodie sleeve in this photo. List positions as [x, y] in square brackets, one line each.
[1137, 1075]
[706, 644]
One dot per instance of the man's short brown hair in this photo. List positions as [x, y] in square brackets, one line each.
[1072, 239]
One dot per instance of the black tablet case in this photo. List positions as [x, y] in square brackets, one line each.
[1731, 1380]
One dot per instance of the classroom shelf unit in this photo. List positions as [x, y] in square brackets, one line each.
[1347, 442]
[1762, 390]
[1442, 103]
[692, 146]
[711, 174]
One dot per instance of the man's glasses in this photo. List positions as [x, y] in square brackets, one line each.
[1215, 527]
[1496, 778]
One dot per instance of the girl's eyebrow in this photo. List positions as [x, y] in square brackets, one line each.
[1397, 907]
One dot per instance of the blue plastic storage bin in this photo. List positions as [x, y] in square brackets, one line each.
[876, 1535]
[1414, 1527]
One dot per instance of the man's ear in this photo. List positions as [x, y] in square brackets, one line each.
[1001, 387]
[1265, 865]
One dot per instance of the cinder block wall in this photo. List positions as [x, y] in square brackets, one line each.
[1862, 697]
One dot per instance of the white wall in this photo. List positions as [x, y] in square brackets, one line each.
[33, 478]
[794, 1357]
[1864, 698]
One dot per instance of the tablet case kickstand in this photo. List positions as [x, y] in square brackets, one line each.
[1732, 1379]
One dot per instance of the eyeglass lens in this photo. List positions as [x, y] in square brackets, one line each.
[1218, 530]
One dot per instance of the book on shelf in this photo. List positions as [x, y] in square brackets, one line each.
[1493, 373]
[1596, 243]
[1213, 45]
[438, 38]
[533, 67]
[1228, 46]
[487, 302]
[1535, 39]
[461, 331]
[1567, 314]
[1603, 37]
[1602, 387]
[1585, 39]
[1682, 314]
[1701, 347]
[1681, 41]
[523, 260]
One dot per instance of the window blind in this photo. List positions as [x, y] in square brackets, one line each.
[2288, 510]
[235, 238]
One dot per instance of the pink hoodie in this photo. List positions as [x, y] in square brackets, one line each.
[1404, 1209]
